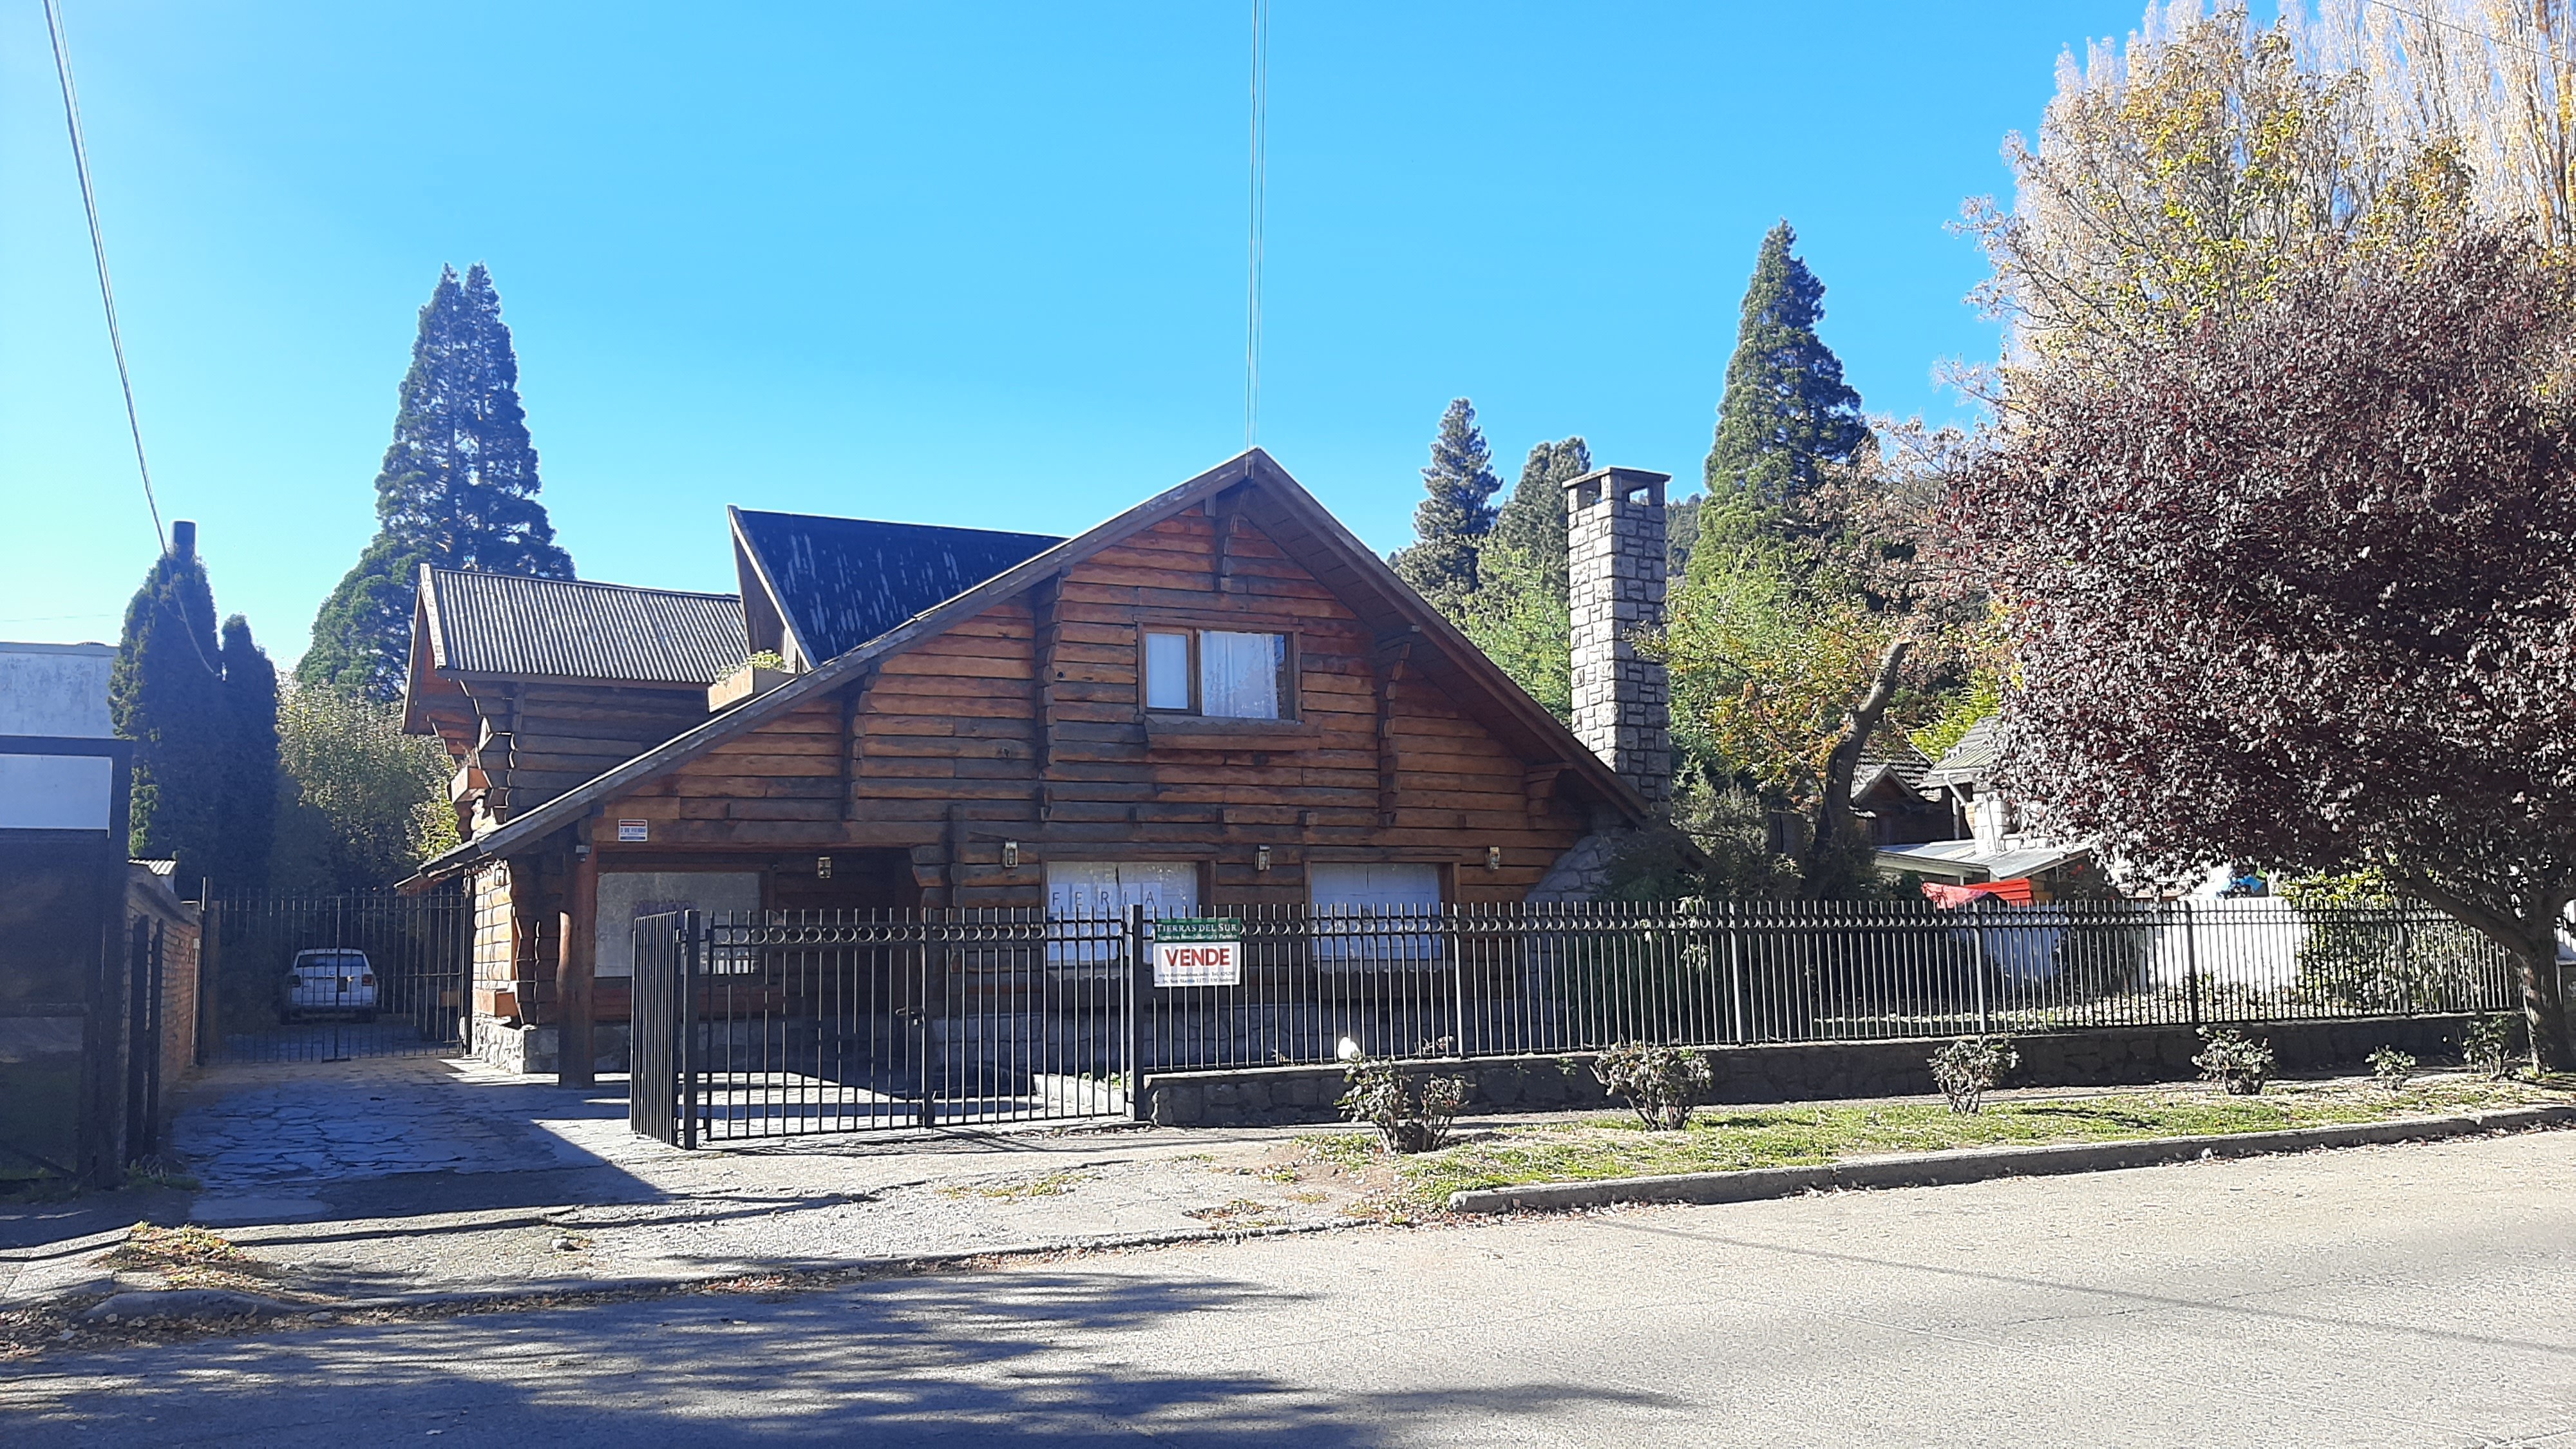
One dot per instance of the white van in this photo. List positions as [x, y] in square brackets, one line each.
[336, 982]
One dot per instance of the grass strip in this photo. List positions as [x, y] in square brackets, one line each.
[1726, 1139]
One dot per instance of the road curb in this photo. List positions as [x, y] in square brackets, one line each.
[1980, 1164]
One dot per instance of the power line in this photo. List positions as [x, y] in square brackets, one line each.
[98, 248]
[2469, 30]
[1260, 168]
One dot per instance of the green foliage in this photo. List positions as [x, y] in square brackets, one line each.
[360, 803]
[166, 695]
[1967, 1069]
[1411, 1113]
[2392, 1069]
[1451, 522]
[2231, 1057]
[2179, 184]
[1787, 411]
[202, 714]
[764, 659]
[2353, 960]
[246, 808]
[2493, 1044]
[1980, 698]
[1662, 1084]
[458, 489]
[1531, 523]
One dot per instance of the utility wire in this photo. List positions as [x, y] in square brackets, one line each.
[2470, 30]
[1260, 168]
[98, 248]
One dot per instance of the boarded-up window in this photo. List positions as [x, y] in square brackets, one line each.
[1374, 911]
[628, 896]
[1088, 901]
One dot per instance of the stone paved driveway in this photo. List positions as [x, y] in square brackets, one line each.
[262, 1138]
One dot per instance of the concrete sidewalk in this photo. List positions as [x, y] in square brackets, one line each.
[392, 1180]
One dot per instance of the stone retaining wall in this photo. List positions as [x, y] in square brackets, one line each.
[2113, 1056]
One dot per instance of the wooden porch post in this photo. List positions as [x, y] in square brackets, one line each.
[575, 970]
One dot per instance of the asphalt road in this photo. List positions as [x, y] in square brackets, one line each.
[2418, 1295]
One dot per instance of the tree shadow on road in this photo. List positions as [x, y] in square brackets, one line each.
[1057, 1356]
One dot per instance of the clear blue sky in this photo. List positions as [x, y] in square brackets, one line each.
[946, 263]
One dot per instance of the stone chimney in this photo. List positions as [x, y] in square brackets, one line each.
[1614, 524]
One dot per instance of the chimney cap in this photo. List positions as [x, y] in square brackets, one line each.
[1624, 477]
[183, 538]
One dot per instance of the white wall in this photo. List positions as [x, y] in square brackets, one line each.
[55, 689]
[56, 792]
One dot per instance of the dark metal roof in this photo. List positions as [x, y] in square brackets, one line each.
[558, 629]
[843, 581]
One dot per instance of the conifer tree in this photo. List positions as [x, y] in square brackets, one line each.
[1787, 413]
[1518, 614]
[1532, 521]
[166, 695]
[246, 810]
[458, 490]
[1452, 521]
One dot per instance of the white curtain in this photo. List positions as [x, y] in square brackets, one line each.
[1239, 674]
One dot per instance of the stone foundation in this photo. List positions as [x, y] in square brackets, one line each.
[534, 1050]
[2121, 1056]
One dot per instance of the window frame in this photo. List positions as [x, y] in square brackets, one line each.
[1291, 670]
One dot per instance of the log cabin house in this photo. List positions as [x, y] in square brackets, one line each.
[1218, 698]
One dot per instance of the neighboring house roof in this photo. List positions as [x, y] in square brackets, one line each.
[1890, 759]
[1969, 860]
[1972, 760]
[508, 624]
[1269, 498]
[836, 583]
[163, 868]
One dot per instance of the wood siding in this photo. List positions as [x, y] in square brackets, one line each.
[537, 740]
[1024, 723]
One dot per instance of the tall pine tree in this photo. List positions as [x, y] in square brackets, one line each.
[1787, 414]
[1452, 521]
[458, 490]
[205, 786]
[1531, 523]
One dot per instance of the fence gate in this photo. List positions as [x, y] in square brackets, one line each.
[791, 1023]
[326, 978]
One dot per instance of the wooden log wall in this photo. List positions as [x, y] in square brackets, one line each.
[539, 739]
[1024, 723]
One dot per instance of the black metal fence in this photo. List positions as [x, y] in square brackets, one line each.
[331, 977]
[779, 1024]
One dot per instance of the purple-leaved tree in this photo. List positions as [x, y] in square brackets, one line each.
[2301, 587]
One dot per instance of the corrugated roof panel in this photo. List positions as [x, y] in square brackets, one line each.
[562, 629]
[843, 581]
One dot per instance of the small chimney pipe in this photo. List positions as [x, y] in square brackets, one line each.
[183, 538]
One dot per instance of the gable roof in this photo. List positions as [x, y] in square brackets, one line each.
[836, 583]
[509, 624]
[1274, 502]
[1972, 760]
[1892, 758]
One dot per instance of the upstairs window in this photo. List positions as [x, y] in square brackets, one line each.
[1220, 673]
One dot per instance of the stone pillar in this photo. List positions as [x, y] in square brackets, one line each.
[1614, 523]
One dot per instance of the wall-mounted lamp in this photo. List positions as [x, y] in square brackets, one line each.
[1010, 853]
[1493, 857]
[1261, 858]
[822, 867]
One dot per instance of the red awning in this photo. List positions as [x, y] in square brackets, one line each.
[2015, 892]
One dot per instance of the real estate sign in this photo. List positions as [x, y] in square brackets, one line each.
[1198, 952]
